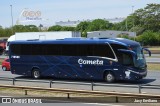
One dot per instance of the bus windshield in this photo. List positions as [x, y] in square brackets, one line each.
[129, 60]
[140, 60]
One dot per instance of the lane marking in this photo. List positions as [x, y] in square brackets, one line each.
[102, 104]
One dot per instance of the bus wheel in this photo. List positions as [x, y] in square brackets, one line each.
[36, 73]
[109, 77]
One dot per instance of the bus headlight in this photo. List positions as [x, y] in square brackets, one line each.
[127, 74]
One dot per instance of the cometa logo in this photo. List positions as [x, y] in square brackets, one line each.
[92, 62]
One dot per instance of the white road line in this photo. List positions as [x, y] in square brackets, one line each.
[102, 104]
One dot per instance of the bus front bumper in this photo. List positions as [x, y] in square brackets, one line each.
[133, 75]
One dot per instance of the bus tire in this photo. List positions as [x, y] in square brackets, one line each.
[36, 73]
[109, 77]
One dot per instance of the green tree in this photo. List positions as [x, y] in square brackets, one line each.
[55, 28]
[26, 28]
[149, 17]
[138, 29]
[31, 28]
[8, 32]
[83, 27]
[99, 24]
[157, 34]
[148, 38]
[65, 28]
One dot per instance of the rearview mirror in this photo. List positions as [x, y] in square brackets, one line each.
[149, 52]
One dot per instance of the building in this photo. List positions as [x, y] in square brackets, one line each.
[68, 23]
[110, 34]
[75, 23]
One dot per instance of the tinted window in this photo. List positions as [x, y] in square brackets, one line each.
[102, 50]
[123, 58]
[118, 54]
[116, 47]
[37, 50]
[85, 50]
[127, 59]
[15, 49]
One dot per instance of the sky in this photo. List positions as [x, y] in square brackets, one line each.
[63, 10]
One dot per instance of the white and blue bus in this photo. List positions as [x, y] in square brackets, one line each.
[79, 58]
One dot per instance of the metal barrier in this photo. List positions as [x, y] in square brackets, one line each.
[92, 84]
[71, 91]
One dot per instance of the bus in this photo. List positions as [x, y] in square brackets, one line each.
[79, 58]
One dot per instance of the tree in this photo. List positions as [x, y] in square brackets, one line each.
[26, 28]
[83, 27]
[31, 28]
[149, 38]
[55, 28]
[99, 24]
[8, 32]
[149, 17]
[65, 28]
[2, 33]
[138, 29]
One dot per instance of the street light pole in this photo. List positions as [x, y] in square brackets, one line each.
[133, 23]
[132, 14]
[11, 18]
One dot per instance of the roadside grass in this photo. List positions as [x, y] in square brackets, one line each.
[153, 56]
[153, 51]
[154, 48]
[1, 61]
[153, 67]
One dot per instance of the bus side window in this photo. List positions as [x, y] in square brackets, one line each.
[16, 49]
[84, 50]
[103, 50]
[127, 59]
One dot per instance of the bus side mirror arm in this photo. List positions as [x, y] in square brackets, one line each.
[149, 52]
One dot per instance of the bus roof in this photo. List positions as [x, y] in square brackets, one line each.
[120, 41]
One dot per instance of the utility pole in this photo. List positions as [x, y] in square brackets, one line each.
[11, 18]
[132, 14]
[133, 22]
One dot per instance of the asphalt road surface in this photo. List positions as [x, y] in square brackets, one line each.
[83, 104]
[153, 60]
[152, 78]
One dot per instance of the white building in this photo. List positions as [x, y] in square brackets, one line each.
[109, 34]
[75, 23]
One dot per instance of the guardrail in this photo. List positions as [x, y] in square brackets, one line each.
[92, 84]
[71, 91]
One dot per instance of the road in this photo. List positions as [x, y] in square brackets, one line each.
[152, 78]
[153, 60]
[152, 55]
